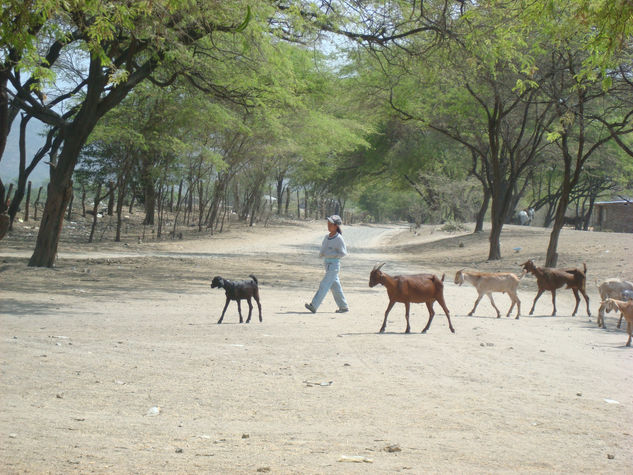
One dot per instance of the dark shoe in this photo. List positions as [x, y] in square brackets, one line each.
[310, 307]
[342, 310]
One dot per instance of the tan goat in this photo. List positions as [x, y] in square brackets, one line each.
[627, 312]
[488, 282]
[615, 289]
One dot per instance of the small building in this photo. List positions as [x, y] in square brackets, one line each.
[614, 216]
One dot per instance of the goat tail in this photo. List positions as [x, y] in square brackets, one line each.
[442, 279]
[584, 265]
[254, 279]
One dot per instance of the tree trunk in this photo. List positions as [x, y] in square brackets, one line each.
[4, 116]
[552, 254]
[499, 210]
[119, 207]
[19, 192]
[27, 205]
[7, 200]
[70, 205]
[95, 211]
[178, 202]
[133, 197]
[59, 191]
[149, 192]
[4, 133]
[111, 199]
[201, 204]
[219, 190]
[494, 252]
[280, 193]
[83, 201]
[37, 202]
[559, 219]
[481, 215]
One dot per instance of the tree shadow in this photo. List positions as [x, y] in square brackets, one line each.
[378, 333]
[22, 308]
[307, 312]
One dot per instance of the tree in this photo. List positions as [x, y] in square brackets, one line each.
[578, 99]
[475, 89]
[117, 61]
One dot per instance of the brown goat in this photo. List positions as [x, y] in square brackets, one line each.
[548, 278]
[419, 288]
[627, 311]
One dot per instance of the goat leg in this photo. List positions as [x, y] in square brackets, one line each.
[584, 294]
[259, 306]
[493, 304]
[619, 323]
[515, 300]
[575, 291]
[429, 305]
[384, 323]
[406, 315]
[553, 301]
[239, 310]
[629, 329]
[440, 300]
[224, 311]
[476, 303]
[250, 310]
[538, 294]
[600, 319]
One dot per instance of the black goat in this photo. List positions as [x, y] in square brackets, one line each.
[238, 290]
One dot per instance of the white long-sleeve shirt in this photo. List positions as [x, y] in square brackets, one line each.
[333, 247]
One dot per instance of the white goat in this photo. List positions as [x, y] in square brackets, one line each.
[487, 282]
[616, 289]
[627, 311]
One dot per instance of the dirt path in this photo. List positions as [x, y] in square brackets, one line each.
[88, 349]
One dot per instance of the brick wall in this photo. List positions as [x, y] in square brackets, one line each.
[616, 217]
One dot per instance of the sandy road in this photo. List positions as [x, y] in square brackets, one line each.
[88, 349]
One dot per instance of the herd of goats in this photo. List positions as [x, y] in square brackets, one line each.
[615, 294]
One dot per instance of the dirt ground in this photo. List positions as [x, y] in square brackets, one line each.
[112, 362]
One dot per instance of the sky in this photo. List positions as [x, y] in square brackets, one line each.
[10, 162]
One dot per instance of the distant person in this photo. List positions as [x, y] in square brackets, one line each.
[332, 250]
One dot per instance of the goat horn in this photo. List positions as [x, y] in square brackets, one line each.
[377, 267]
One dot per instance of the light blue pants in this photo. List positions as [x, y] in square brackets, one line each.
[330, 281]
